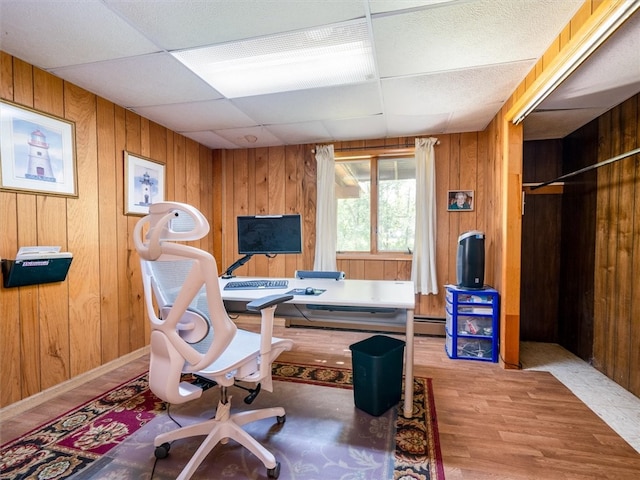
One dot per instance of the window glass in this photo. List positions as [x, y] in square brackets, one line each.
[353, 192]
[376, 204]
[396, 204]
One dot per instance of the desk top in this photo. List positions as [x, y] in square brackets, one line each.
[366, 293]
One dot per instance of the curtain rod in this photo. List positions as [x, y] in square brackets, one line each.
[398, 145]
[590, 167]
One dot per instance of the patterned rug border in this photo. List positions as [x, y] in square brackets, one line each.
[417, 439]
[70, 442]
[74, 409]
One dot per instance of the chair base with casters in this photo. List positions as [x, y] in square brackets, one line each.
[191, 332]
[220, 429]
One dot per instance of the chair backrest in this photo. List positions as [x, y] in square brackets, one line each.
[190, 327]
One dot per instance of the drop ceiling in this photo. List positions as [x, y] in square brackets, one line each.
[442, 66]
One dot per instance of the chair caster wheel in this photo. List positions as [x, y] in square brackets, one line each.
[162, 451]
[281, 420]
[274, 472]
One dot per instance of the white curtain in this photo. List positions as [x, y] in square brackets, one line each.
[423, 267]
[326, 211]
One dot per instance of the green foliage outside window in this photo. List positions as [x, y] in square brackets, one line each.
[396, 199]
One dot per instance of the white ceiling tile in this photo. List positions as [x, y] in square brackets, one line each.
[403, 125]
[250, 137]
[472, 118]
[612, 73]
[54, 34]
[380, 6]
[300, 133]
[140, 81]
[592, 95]
[361, 128]
[309, 105]
[446, 92]
[468, 34]
[211, 140]
[194, 116]
[557, 124]
[216, 21]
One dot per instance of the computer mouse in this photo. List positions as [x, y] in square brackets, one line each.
[310, 291]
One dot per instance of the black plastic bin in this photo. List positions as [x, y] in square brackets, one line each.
[377, 373]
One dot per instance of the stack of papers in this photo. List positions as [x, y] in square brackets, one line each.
[41, 252]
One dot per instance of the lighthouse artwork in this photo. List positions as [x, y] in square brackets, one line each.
[147, 182]
[39, 164]
[37, 152]
[144, 183]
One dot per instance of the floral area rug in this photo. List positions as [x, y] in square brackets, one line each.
[324, 436]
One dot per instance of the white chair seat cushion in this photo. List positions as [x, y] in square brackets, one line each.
[241, 358]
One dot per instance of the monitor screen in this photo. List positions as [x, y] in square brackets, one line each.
[269, 234]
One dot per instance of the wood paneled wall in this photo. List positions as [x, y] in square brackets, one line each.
[50, 333]
[616, 338]
[541, 237]
[283, 180]
[262, 181]
[578, 243]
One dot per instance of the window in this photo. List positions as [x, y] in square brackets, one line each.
[376, 198]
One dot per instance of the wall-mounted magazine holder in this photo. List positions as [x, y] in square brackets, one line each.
[33, 271]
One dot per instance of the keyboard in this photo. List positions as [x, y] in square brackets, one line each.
[256, 284]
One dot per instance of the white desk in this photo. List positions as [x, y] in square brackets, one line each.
[348, 293]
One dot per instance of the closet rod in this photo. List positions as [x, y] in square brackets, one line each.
[590, 167]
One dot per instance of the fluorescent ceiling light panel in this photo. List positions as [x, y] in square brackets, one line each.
[338, 54]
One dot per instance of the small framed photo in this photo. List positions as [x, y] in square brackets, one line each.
[143, 184]
[37, 152]
[460, 200]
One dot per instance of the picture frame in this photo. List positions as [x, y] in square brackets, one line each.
[460, 201]
[37, 152]
[144, 183]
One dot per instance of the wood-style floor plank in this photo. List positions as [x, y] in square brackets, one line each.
[493, 423]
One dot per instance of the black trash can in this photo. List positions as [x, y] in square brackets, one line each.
[377, 373]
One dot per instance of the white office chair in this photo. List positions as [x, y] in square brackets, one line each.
[192, 333]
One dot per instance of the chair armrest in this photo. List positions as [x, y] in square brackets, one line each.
[268, 301]
[267, 306]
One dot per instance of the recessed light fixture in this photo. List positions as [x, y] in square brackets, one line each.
[338, 54]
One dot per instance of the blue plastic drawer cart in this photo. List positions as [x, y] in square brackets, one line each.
[472, 322]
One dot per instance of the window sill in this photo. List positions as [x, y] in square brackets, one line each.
[406, 257]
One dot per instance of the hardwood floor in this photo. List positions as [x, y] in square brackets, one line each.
[493, 423]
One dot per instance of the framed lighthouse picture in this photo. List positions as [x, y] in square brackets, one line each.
[37, 152]
[143, 184]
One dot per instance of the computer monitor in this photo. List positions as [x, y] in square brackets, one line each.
[269, 234]
[470, 260]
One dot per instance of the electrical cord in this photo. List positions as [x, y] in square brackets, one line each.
[155, 462]
[508, 364]
[302, 313]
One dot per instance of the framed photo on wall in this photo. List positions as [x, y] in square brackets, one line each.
[460, 200]
[143, 184]
[37, 152]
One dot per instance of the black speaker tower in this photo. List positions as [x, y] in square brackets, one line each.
[470, 260]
